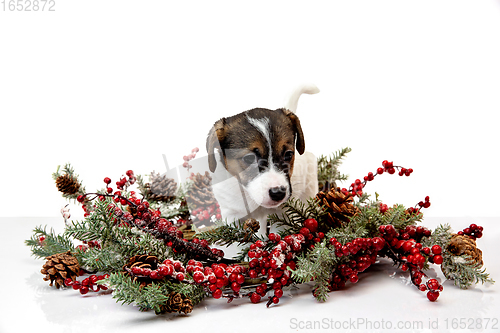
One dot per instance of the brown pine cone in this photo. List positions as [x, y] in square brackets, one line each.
[141, 261]
[340, 207]
[252, 224]
[462, 244]
[59, 267]
[177, 303]
[161, 188]
[187, 305]
[200, 193]
[174, 302]
[67, 184]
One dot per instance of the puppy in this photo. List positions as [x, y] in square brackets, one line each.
[258, 161]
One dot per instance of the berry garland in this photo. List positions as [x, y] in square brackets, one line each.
[127, 240]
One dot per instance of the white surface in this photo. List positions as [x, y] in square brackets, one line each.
[112, 85]
[30, 305]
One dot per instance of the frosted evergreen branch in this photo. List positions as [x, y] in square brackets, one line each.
[317, 265]
[463, 271]
[103, 260]
[295, 212]
[228, 233]
[52, 243]
[440, 236]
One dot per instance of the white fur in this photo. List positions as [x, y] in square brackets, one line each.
[259, 188]
[236, 202]
[292, 100]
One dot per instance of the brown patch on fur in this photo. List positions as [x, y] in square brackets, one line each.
[236, 138]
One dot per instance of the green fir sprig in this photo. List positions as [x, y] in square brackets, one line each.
[45, 243]
[328, 173]
[225, 234]
[463, 271]
[295, 212]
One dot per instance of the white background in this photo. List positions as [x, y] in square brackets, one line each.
[112, 85]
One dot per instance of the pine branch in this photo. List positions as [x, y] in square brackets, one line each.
[295, 212]
[152, 297]
[348, 233]
[102, 260]
[52, 243]
[126, 291]
[463, 271]
[441, 236]
[131, 241]
[98, 225]
[228, 233]
[316, 265]
[328, 173]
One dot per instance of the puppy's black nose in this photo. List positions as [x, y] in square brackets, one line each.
[277, 193]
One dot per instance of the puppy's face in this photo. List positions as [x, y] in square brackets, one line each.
[258, 147]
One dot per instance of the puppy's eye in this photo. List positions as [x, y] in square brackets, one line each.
[288, 155]
[249, 158]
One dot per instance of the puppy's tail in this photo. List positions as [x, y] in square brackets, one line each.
[293, 99]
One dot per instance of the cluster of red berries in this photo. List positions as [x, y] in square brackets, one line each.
[190, 157]
[433, 287]
[218, 277]
[406, 248]
[205, 213]
[150, 221]
[123, 183]
[87, 284]
[89, 244]
[356, 188]
[363, 252]
[273, 264]
[473, 231]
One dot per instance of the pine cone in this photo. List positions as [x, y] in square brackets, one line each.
[462, 244]
[177, 303]
[252, 224]
[161, 188]
[200, 193]
[141, 261]
[174, 302]
[59, 267]
[339, 206]
[67, 184]
[187, 305]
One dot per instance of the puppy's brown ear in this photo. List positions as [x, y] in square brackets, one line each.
[215, 137]
[299, 143]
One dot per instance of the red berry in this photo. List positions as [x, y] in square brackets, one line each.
[84, 290]
[311, 224]
[68, 282]
[80, 198]
[432, 295]
[438, 259]
[254, 298]
[217, 293]
[380, 171]
[180, 276]
[436, 249]
[235, 287]
[107, 180]
[304, 231]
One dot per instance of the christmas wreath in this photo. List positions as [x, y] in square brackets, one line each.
[147, 247]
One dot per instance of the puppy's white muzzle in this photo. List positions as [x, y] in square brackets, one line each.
[269, 189]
